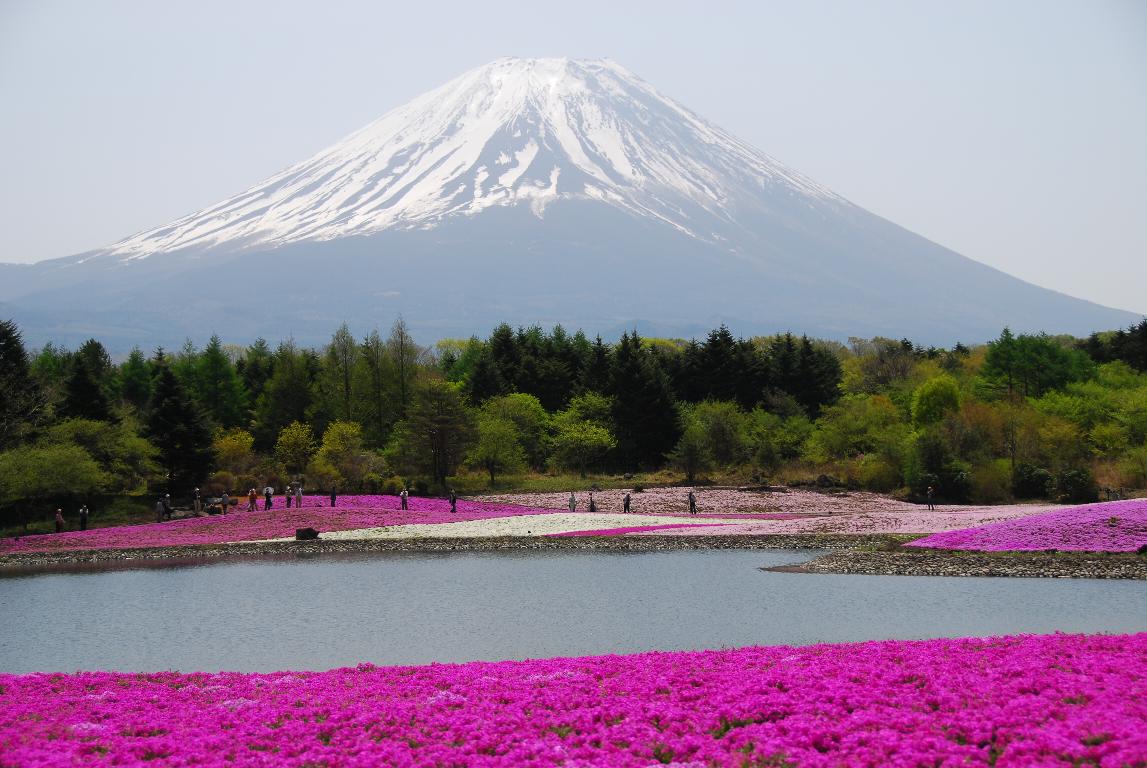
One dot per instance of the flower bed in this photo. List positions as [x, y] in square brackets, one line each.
[1114, 526]
[1032, 700]
[793, 510]
[352, 512]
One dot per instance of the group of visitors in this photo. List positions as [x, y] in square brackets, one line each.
[62, 526]
[626, 503]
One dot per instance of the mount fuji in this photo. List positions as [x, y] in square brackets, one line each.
[532, 191]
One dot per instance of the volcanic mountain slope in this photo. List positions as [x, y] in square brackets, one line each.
[533, 191]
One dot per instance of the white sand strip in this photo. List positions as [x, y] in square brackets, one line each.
[518, 525]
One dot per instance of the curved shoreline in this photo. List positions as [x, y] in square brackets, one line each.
[849, 554]
[1025, 565]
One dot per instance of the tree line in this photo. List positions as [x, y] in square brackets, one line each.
[1024, 415]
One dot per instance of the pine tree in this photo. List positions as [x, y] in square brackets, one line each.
[643, 406]
[21, 400]
[177, 427]
[218, 387]
[135, 380]
[84, 398]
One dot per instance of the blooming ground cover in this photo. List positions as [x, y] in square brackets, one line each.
[1114, 526]
[1014, 701]
[352, 512]
[792, 510]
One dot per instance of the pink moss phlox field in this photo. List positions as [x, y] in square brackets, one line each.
[351, 513]
[1018, 701]
[1113, 526]
[634, 529]
[789, 510]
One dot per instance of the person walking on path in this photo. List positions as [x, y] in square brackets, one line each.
[334, 494]
[573, 502]
[299, 495]
[197, 503]
[159, 510]
[59, 521]
[268, 497]
[453, 502]
[931, 493]
[84, 517]
[692, 503]
[625, 503]
[402, 497]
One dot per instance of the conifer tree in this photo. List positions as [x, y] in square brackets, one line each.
[177, 427]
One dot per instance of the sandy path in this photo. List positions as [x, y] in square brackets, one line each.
[520, 525]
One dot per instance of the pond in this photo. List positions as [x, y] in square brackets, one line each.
[328, 611]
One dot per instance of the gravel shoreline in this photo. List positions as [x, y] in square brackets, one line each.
[647, 543]
[867, 554]
[1047, 565]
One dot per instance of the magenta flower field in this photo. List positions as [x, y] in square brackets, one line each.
[1065, 700]
[1114, 526]
[351, 513]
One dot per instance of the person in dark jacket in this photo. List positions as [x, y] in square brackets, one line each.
[84, 517]
[453, 501]
[59, 521]
[334, 495]
[692, 503]
[625, 503]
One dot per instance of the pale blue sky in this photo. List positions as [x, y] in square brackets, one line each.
[1013, 132]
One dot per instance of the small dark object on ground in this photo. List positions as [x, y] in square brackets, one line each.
[306, 534]
[1142, 550]
[639, 489]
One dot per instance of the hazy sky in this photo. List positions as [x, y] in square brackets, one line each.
[1013, 132]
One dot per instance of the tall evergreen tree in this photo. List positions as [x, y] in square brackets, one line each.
[21, 401]
[598, 366]
[643, 406]
[255, 368]
[405, 356]
[339, 364]
[177, 427]
[135, 380]
[373, 378]
[287, 396]
[218, 387]
[84, 398]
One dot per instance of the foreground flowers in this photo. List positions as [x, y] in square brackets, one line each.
[1114, 526]
[1034, 700]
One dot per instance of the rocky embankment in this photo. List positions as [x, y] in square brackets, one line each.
[646, 543]
[1054, 565]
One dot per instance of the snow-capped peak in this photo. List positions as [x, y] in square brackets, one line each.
[515, 132]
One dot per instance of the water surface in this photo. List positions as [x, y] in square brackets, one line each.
[412, 608]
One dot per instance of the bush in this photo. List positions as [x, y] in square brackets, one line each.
[1031, 482]
[1076, 486]
[990, 483]
[878, 474]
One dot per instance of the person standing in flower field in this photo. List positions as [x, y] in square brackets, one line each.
[287, 492]
[402, 498]
[268, 497]
[930, 494]
[692, 503]
[197, 502]
[573, 502]
[453, 502]
[334, 494]
[252, 500]
[226, 501]
[592, 504]
[625, 503]
[83, 517]
[299, 495]
[59, 521]
[159, 510]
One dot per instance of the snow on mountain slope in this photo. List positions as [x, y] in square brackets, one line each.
[523, 132]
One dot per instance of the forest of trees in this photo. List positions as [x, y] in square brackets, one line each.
[1025, 416]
